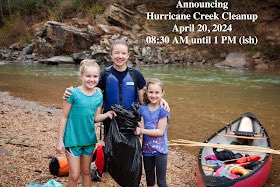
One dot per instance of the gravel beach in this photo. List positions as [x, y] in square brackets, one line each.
[27, 142]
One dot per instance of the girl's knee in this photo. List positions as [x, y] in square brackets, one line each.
[86, 172]
[74, 177]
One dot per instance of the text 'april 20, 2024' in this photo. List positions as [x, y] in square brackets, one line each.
[203, 28]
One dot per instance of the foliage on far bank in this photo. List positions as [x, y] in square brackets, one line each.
[17, 16]
[41, 8]
[15, 29]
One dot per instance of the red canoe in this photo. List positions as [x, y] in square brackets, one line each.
[230, 133]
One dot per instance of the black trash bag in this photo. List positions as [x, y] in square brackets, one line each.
[123, 149]
[127, 120]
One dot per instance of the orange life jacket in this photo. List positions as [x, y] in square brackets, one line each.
[252, 158]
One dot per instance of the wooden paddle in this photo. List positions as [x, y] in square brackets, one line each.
[240, 148]
[243, 137]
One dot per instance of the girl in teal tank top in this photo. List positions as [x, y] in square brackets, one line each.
[76, 132]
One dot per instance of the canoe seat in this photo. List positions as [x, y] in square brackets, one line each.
[245, 127]
[242, 133]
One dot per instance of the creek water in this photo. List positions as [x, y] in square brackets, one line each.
[202, 100]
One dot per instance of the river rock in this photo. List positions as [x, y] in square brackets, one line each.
[15, 46]
[78, 57]
[110, 29]
[261, 66]
[27, 50]
[233, 60]
[58, 60]
[59, 38]
[120, 16]
[142, 9]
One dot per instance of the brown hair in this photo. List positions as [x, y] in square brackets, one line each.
[151, 81]
[86, 63]
[117, 42]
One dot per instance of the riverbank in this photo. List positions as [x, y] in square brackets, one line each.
[27, 141]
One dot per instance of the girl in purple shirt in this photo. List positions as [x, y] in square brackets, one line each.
[154, 125]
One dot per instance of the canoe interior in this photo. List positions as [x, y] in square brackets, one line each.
[261, 141]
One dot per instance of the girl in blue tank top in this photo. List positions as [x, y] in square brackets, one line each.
[154, 125]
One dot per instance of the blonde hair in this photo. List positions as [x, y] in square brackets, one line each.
[152, 81]
[86, 63]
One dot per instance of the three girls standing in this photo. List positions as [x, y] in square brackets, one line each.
[131, 90]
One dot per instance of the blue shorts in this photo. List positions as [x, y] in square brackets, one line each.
[81, 150]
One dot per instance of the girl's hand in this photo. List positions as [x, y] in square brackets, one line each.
[137, 131]
[60, 147]
[67, 93]
[164, 104]
[111, 114]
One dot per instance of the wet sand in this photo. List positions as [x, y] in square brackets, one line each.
[27, 142]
